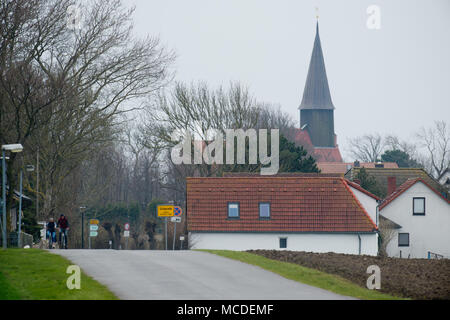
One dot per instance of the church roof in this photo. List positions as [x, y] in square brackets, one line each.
[317, 93]
[321, 155]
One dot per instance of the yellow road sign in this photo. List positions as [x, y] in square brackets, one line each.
[94, 221]
[165, 211]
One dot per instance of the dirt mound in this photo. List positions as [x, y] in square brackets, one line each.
[409, 278]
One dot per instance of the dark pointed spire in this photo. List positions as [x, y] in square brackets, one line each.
[317, 93]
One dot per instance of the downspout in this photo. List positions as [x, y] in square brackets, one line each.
[377, 218]
[359, 244]
[377, 212]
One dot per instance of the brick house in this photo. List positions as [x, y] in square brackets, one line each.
[301, 212]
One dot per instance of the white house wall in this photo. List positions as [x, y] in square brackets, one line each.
[369, 203]
[430, 232]
[309, 242]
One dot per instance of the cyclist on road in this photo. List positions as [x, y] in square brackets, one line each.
[51, 232]
[63, 226]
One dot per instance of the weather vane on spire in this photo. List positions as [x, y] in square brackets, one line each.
[317, 13]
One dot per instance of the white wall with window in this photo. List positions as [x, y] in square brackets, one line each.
[350, 243]
[370, 204]
[424, 218]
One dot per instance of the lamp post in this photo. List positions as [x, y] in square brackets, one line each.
[29, 168]
[15, 148]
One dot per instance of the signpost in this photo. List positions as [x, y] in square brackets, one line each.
[177, 211]
[176, 219]
[126, 233]
[174, 212]
[165, 211]
[181, 239]
[93, 229]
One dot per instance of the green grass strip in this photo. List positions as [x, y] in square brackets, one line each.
[306, 275]
[32, 274]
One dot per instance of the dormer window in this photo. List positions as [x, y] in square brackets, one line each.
[233, 210]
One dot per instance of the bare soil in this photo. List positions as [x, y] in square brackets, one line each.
[408, 278]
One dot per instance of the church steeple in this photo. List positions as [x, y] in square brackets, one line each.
[316, 108]
[317, 93]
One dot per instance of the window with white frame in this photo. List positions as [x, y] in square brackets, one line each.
[419, 206]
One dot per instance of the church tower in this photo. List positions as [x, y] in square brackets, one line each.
[316, 108]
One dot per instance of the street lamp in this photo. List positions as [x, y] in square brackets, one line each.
[29, 168]
[15, 148]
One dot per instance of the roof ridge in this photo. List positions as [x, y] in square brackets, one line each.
[334, 176]
[405, 186]
[359, 187]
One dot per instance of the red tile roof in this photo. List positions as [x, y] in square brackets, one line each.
[320, 154]
[298, 204]
[302, 138]
[327, 154]
[282, 174]
[343, 167]
[358, 187]
[405, 186]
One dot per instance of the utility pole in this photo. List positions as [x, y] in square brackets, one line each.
[165, 227]
[171, 202]
[82, 230]
[82, 226]
[19, 245]
[4, 199]
[174, 233]
[37, 184]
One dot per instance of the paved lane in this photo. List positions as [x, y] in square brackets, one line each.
[139, 274]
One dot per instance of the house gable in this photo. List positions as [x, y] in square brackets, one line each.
[427, 232]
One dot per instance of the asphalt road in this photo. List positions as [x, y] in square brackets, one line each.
[186, 275]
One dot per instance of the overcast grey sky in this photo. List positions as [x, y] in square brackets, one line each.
[392, 80]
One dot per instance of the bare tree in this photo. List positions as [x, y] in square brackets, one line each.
[387, 233]
[367, 148]
[393, 142]
[436, 143]
[63, 89]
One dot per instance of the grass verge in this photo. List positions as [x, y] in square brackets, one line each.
[305, 275]
[32, 274]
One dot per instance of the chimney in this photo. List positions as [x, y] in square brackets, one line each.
[379, 165]
[392, 185]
